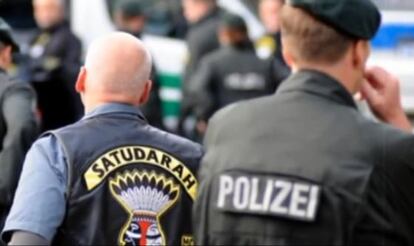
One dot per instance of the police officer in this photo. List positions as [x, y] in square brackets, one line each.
[270, 45]
[304, 167]
[18, 123]
[129, 17]
[203, 17]
[54, 61]
[109, 179]
[230, 74]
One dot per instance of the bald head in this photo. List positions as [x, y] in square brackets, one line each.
[118, 68]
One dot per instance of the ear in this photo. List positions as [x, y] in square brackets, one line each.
[360, 53]
[80, 83]
[8, 55]
[146, 93]
[288, 56]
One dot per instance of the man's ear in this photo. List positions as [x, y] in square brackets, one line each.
[7, 56]
[80, 83]
[360, 53]
[289, 58]
[146, 93]
[9, 52]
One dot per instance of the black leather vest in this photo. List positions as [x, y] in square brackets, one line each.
[129, 183]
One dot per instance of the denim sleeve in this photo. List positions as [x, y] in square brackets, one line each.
[39, 203]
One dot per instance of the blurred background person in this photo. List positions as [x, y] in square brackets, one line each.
[270, 45]
[203, 18]
[230, 74]
[129, 17]
[54, 61]
[18, 124]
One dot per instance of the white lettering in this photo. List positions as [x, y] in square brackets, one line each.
[225, 189]
[254, 206]
[298, 198]
[313, 201]
[241, 193]
[285, 189]
[268, 195]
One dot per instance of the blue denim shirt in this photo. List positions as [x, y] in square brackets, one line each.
[39, 203]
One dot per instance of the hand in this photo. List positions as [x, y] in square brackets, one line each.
[382, 92]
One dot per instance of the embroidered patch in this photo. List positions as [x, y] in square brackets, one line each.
[268, 195]
[146, 196]
[130, 155]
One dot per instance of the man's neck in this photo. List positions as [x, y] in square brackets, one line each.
[89, 107]
[335, 71]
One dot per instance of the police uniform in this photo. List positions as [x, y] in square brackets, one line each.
[230, 74]
[201, 40]
[304, 167]
[54, 60]
[18, 127]
[110, 179]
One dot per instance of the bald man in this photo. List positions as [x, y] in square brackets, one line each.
[109, 179]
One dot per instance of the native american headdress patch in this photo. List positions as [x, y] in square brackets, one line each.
[145, 196]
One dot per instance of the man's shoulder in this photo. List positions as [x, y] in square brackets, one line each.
[214, 57]
[168, 141]
[9, 86]
[387, 143]
[246, 109]
[397, 144]
[67, 35]
[175, 141]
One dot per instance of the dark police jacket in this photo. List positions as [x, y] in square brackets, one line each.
[201, 40]
[305, 167]
[129, 183]
[228, 75]
[18, 130]
[52, 68]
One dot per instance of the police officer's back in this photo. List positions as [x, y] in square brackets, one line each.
[304, 166]
[111, 178]
[231, 73]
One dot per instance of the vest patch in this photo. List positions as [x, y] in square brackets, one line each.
[129, 155]
[187, 240]
[265, 195]
[146, 196]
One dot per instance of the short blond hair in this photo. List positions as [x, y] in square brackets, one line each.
[311, 40]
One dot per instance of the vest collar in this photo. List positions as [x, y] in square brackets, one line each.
[115, 108]
[318, 83]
